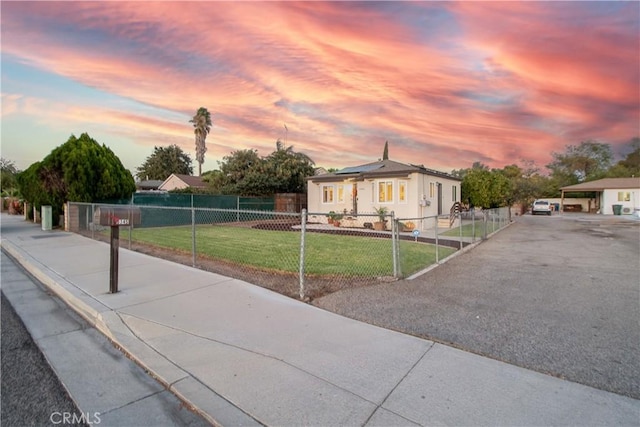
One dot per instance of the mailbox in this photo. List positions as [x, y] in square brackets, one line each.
[117, 216]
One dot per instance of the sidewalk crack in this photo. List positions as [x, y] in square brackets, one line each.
[396, 386]
[268, 356]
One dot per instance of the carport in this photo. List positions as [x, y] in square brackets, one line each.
[605, 192]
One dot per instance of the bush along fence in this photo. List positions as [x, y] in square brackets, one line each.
[301, 255]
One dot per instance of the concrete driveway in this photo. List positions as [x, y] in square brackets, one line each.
[559, 294]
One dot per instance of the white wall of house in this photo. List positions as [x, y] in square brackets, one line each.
[629, 198]
[415, 196]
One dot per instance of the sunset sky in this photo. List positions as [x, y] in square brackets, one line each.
[446, 83]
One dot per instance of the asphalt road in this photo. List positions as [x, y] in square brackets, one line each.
[559, 295]
[31, 393]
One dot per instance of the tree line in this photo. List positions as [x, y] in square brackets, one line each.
[587, 161]
[85, 171]
[243, 172]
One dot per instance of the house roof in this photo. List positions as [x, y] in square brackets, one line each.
[380, 169]
[604, 184]
[149, 184]
[191, 181]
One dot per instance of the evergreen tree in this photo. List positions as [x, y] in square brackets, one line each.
[80, 170]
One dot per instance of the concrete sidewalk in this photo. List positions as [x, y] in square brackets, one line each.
[243, 355]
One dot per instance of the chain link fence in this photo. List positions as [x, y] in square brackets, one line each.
[301, 255]
[184, 200]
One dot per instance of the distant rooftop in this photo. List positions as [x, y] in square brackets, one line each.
[149, 184]
[191, 181]
[603, 184]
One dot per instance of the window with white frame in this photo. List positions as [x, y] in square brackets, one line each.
[624, 196]
[402, 191]
[340, 193]
[385, 191]
[432, 190]
[327, 194]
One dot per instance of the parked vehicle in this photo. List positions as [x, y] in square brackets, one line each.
[541, 207]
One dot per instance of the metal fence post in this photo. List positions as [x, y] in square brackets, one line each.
[86, 219]
[473, 226]
[394, 249]
[93, 226]
[459, 215]
[437, 247]
[193, 236]
[484, 222]
[130, 225]
[303, 227]
[493, 222]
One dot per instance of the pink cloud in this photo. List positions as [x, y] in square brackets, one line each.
[515, 80]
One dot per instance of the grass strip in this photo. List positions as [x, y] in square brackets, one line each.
[325, 254]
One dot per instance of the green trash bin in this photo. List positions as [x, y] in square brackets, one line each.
[617, 209]
[46, 218]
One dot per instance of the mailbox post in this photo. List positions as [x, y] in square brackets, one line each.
[116, 217]
[113, 265]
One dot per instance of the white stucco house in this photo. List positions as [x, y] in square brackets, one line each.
[410, 191]
[608, 192]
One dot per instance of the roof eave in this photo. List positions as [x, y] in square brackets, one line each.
[374, 175]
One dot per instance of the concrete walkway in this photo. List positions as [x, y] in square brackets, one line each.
[89, 369]
[243, 355]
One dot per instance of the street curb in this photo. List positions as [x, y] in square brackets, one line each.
[39, 272]
[119, 334]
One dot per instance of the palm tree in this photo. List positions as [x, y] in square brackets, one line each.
[202, 125]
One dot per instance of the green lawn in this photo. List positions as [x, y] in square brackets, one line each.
[325, 254]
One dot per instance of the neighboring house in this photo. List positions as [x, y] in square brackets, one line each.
[148, 185]
[609, 192]
[410, 191]
[176, 182]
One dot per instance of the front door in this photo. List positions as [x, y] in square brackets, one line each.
[439, 185]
